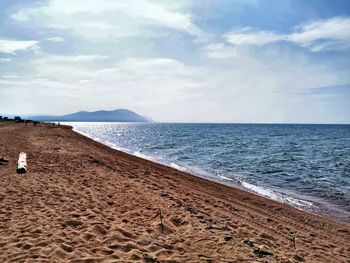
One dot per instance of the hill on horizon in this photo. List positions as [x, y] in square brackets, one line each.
[119, 115]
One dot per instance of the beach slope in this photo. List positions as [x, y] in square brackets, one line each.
[81, 201]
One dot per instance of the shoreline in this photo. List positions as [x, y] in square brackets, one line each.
[103, 204]
[307, 204]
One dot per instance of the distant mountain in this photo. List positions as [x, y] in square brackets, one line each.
[120, 115]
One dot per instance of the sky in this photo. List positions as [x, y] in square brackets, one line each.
[245, 61]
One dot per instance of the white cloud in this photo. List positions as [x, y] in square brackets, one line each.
[9, 76]
[70, 59]
[67, 69]
[12, 46]
[329, 34]
[250, 36]
[220, 51]
[56, 39]
[108, 19]
[321, 35]
[5, 59]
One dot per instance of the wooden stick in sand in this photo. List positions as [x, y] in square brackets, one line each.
[161, 219]
[293, 242]
[3, 161]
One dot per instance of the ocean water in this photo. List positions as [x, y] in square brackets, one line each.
[307, 166]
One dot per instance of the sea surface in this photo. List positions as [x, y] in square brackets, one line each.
[307, 166]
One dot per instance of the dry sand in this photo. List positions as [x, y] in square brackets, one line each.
[81, 201]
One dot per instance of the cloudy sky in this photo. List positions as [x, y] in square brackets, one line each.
[184, 61]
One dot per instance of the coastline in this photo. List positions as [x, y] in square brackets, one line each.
[103, 204]
[311, 204]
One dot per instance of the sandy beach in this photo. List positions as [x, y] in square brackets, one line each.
[81, 201]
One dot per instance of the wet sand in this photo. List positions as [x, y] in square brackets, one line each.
[81, 201]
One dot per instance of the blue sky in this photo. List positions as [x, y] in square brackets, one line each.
[184, 61]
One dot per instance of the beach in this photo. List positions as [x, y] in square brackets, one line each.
[81, 201]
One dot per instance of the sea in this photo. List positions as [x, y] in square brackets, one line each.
[303, 165]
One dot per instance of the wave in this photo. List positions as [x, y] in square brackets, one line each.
[269, 193]
[224, 178]
[276, 196]
[178, 167]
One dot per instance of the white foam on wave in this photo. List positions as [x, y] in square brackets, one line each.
[276, 196]
[178, 167]
[225, 178]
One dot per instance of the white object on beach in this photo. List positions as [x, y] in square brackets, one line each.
[22, 163]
